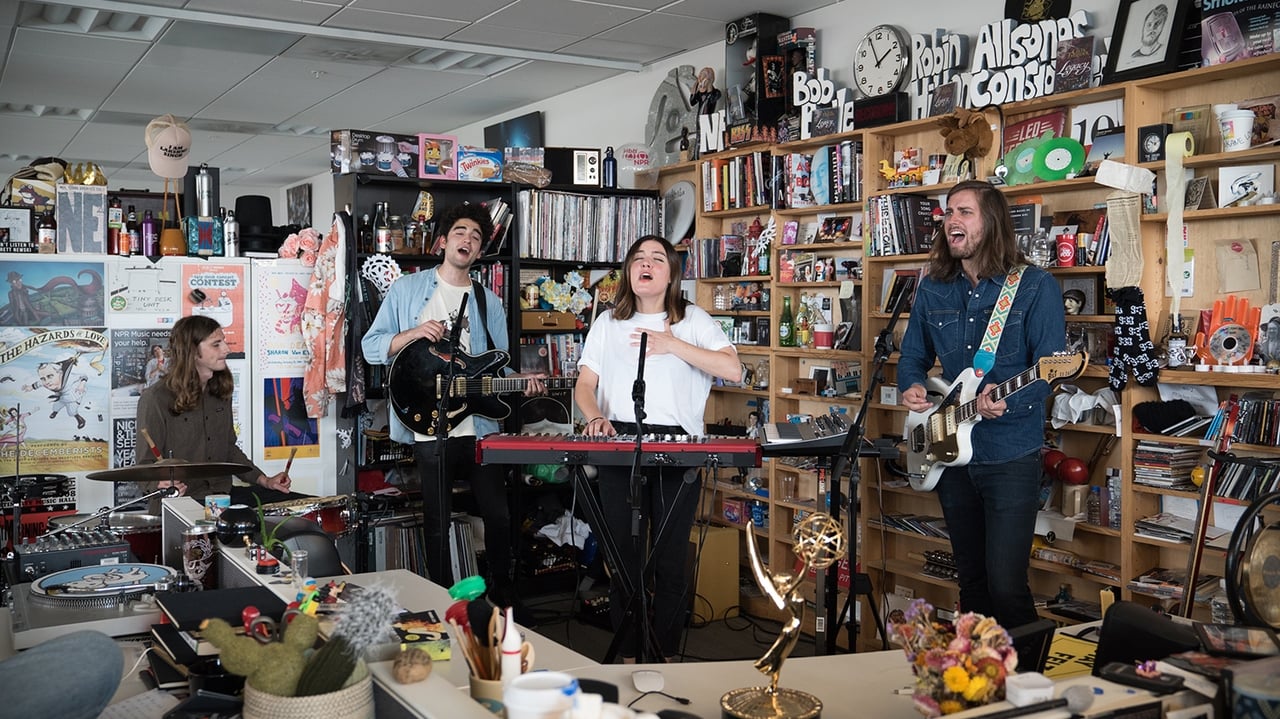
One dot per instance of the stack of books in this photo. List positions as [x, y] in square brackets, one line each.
[179, 636]
[1168, 584]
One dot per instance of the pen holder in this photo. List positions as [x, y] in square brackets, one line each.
[488, 692]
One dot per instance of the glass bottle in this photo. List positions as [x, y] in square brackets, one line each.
[762, 373]
[132, 235]
[786, 325]
[150, 235]
[1176, 343]
[115, 225]
[397, 234]
[1093, 507]
[804, 323]
[365, 233]
[382, 229]
[47, 234]
[1042, 250]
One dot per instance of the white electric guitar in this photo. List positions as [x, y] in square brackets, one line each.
[938, 438]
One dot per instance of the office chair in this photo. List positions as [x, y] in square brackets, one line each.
[302, 533]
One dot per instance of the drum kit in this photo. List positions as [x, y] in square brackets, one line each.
[142, 531]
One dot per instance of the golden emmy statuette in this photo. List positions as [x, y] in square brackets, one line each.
[820, 542]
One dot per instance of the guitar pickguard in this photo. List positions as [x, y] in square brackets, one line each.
[935, 438]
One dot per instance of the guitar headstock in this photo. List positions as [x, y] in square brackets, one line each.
[1060, 366]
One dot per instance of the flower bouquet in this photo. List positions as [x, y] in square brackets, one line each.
[958, 666]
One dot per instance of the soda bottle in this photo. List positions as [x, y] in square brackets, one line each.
[115, 225]
[47, 234]
[786, 325]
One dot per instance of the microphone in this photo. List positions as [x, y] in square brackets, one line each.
[456, 333]
[170, 491]
[1076, 699]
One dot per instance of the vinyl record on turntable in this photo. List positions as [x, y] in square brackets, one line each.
[98, 585]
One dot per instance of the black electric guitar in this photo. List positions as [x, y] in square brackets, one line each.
[938, 438]
[419, 375]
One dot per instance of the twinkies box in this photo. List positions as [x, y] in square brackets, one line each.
[373, 152]
[479, 164]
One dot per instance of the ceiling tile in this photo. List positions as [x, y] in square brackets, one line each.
[285, 87]
[495, 36]
[668, 31]
[59, 81]
[369, 103]
[153, 90]
[468, 11]
[619, 50]
[310, 12]
[47, 44]
[642, 4]
[395, 23]
[101, 141]
[331, 49]
[231, 39]
[729, 10]
[36, 136]
[566, 16]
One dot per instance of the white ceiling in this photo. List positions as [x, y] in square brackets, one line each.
[262, 81]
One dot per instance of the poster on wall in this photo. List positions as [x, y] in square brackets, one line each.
[138, 360]
[137, 288]
[281, 292]
[218, 291]
[286, 428]
[56, 380]
[52, 294]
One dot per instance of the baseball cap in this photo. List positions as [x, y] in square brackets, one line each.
[168, 144]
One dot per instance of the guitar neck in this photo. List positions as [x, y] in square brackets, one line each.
[1020, 381]
[505, 385]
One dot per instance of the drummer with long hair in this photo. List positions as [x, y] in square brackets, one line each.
[187, 415]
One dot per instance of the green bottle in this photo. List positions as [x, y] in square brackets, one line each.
[786, 325]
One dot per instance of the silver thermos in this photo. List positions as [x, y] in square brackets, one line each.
[231, 235]
[204, 192]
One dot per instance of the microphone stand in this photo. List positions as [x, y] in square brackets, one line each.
[444, 489]
[850, 449]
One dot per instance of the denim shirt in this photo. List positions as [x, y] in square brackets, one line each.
[400, 310]
[948, 322]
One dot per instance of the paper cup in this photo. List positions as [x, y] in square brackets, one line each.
[1237, 129]
[540, 695]
[823, 336]
[214, 504]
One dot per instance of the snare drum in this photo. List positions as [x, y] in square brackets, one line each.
[141, 531]
[331, 513]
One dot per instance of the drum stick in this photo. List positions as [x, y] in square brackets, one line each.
[287, 465]
[155, 451]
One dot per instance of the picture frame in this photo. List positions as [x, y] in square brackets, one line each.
[1147, 35]
[437, 156]
[1086, 286]
[15, 230]
[1237, 641]
[835, 228]
[821, 377]
[298, 200]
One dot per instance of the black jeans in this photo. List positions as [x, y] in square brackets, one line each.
[488, 488]
[666, 496]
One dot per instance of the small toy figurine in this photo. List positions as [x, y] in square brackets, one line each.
[705, 93]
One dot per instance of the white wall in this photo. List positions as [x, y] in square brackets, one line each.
[614, 111]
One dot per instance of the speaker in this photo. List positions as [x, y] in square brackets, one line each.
[1133, 633]
[717, 589]
[573, 165]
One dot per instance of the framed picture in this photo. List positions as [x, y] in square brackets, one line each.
[821, 377]
[15, 230]
[835, 228]
[438, 156]
[1080, 295]
[1146, 39]
[1238, 641]
[298, 198]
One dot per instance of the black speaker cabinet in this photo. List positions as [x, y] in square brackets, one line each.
[754, 82]
[1133, 633]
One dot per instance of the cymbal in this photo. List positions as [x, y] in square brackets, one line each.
[169, 469]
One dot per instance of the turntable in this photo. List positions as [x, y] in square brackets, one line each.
[100, 597]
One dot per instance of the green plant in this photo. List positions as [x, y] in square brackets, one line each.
[269, 540]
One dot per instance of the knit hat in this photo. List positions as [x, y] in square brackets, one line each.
[168, 144]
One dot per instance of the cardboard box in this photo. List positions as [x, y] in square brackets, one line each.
[36, 194]
[479, 164]
[374, 153]
[438, 156]
[81, 213]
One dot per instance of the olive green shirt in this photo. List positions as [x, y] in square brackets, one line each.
[204, 434]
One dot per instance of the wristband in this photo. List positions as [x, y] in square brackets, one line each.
[593, 419]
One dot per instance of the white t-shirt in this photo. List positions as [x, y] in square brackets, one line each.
[443, 306]
[675, 391]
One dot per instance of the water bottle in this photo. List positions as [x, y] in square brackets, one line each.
[610, 168]
[1093, 507]
[204, 192]
[231, 235]
[1042, 250]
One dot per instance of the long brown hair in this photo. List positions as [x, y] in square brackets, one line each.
[997, 250]
[183, 378]
[673, 301]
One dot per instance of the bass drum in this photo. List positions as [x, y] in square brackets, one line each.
[141, 531]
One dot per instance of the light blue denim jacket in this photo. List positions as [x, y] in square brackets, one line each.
[400, 310]
[948, 321]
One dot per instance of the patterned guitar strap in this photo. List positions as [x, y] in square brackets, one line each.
[985, 358]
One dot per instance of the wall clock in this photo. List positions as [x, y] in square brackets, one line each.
[880, 63]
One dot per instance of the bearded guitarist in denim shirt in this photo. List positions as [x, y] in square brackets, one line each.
[989, 504]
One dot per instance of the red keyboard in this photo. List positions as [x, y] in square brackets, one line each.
[665, 451]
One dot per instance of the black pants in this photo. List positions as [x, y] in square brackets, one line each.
[666, 497]
[488, 489]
